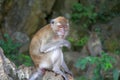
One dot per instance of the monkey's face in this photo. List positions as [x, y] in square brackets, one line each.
[60, 26]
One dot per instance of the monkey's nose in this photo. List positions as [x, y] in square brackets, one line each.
[61, 26]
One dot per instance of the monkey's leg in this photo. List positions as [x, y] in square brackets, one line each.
[37, 74]
[66, 68]
[57, 70]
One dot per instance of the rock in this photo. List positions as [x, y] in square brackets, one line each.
[8, 71]
[7, 68]
[52, 76]
[23, 40]
[20, 37]
[1, 3]
[24, 72]
[26, 15]
[10, 68]
[62, 7]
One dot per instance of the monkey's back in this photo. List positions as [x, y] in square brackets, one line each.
[40, 39]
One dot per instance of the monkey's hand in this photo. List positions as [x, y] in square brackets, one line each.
[66, 44]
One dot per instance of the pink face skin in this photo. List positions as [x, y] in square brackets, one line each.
[60, 26]
[62, 30]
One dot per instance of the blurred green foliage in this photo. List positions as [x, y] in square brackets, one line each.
[113, 45]
[24, 59]
[83, 14]
[87, 14]
[78, 43]
[11, 51]
[103, 63]
[116, 74]
[117, 51]
[8, 45]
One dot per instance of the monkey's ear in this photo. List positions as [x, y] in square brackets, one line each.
[52, 21]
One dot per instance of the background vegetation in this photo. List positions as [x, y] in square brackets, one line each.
[86, 16]
[100, 16]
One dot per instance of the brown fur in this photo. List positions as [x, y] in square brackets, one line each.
[45, 47]
[42, 37]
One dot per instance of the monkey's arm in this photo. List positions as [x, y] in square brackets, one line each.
[54, 45]
[91, 50]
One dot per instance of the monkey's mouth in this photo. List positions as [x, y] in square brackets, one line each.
[61, 30]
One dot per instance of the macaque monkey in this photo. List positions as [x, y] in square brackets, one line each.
[94, 46]
[45, 48]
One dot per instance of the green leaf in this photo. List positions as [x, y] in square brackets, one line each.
[81, 63]
[116, 74]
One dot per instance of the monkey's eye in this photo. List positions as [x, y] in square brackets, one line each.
[52, 21]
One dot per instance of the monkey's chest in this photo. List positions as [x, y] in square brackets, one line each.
[57, 56]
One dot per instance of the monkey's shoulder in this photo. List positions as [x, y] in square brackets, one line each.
[44, 31]
[45, 34]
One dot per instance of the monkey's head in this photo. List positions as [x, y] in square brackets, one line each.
[94, 36]
[60, 26]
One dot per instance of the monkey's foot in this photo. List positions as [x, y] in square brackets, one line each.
[50, 75]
